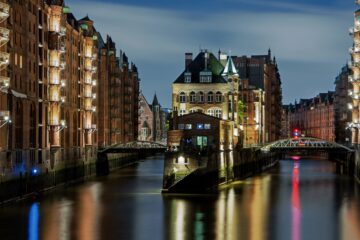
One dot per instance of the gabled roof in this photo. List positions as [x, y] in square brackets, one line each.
[198, 65]
[86, 19]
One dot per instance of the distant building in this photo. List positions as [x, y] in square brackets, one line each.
[152, 121]
[146, 119]
[314, 117]
[343, 97]
[285, 123]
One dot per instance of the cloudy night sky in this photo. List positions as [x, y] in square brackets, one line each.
[308, 37]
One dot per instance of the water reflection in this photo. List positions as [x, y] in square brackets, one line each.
[88, 215]
[295, 203]
[34, 218]
[296, 200]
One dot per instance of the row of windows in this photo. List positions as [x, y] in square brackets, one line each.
[205, 77]
[199, 126]
[212, 112]
[200, 97]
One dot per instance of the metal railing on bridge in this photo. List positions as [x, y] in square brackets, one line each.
[134, 146]
[304, 143]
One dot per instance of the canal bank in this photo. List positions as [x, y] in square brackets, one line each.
[296, 199]
[31, 183]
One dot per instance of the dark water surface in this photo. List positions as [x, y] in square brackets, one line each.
[296, 200]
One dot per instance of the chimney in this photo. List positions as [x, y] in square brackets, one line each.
[188, 59]
[175, 119]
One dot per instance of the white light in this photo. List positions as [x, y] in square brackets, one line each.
[63, 123]
[350, 106]
[94, 83]
[181, 160]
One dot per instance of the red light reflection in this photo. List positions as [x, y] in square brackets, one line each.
[295, 204]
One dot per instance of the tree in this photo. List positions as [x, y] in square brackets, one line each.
[241, 108]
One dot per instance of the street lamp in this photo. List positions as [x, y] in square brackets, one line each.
[4, 118]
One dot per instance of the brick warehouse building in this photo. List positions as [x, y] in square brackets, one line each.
[55, 73]
[313, 117]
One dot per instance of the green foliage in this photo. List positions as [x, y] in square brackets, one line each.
[241, 107]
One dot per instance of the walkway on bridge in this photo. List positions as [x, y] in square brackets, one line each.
[136, 146]
[304, 143]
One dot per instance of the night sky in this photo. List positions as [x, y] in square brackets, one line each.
[308, 37]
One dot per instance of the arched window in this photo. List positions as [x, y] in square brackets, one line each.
[215, 112]
[201, 97]
[210, 97]
[192, 97]
[211, 112]
[182, 97]
[218, 113]
[218, 97]
[196, 109]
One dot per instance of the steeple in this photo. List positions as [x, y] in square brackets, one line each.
[155, 101]
[230, 69]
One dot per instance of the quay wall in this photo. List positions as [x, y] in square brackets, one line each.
[25, 182]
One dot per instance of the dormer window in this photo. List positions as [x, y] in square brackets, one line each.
[205, 76]
[187, 77]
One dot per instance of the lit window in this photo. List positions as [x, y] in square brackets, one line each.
[181, 126]
[207, 126]
[218, 113]
[188, 126]
[211, 112]
[200, 126]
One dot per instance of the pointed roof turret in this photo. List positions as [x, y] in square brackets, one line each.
[155, 101]
[230, 69]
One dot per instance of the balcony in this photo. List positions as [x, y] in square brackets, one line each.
[4, 35]
[62, 31]
[4, 82]
[87, 95]
[62, 48]
[4, 58]
[4, 10]
[88, 107]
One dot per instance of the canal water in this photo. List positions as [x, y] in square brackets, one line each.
[298, 199]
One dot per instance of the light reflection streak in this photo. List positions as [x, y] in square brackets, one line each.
[65, 215]
[89, 213]
[349, 218]
[34, 218]
[180, 231]
[295, 204]
[220, 216]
